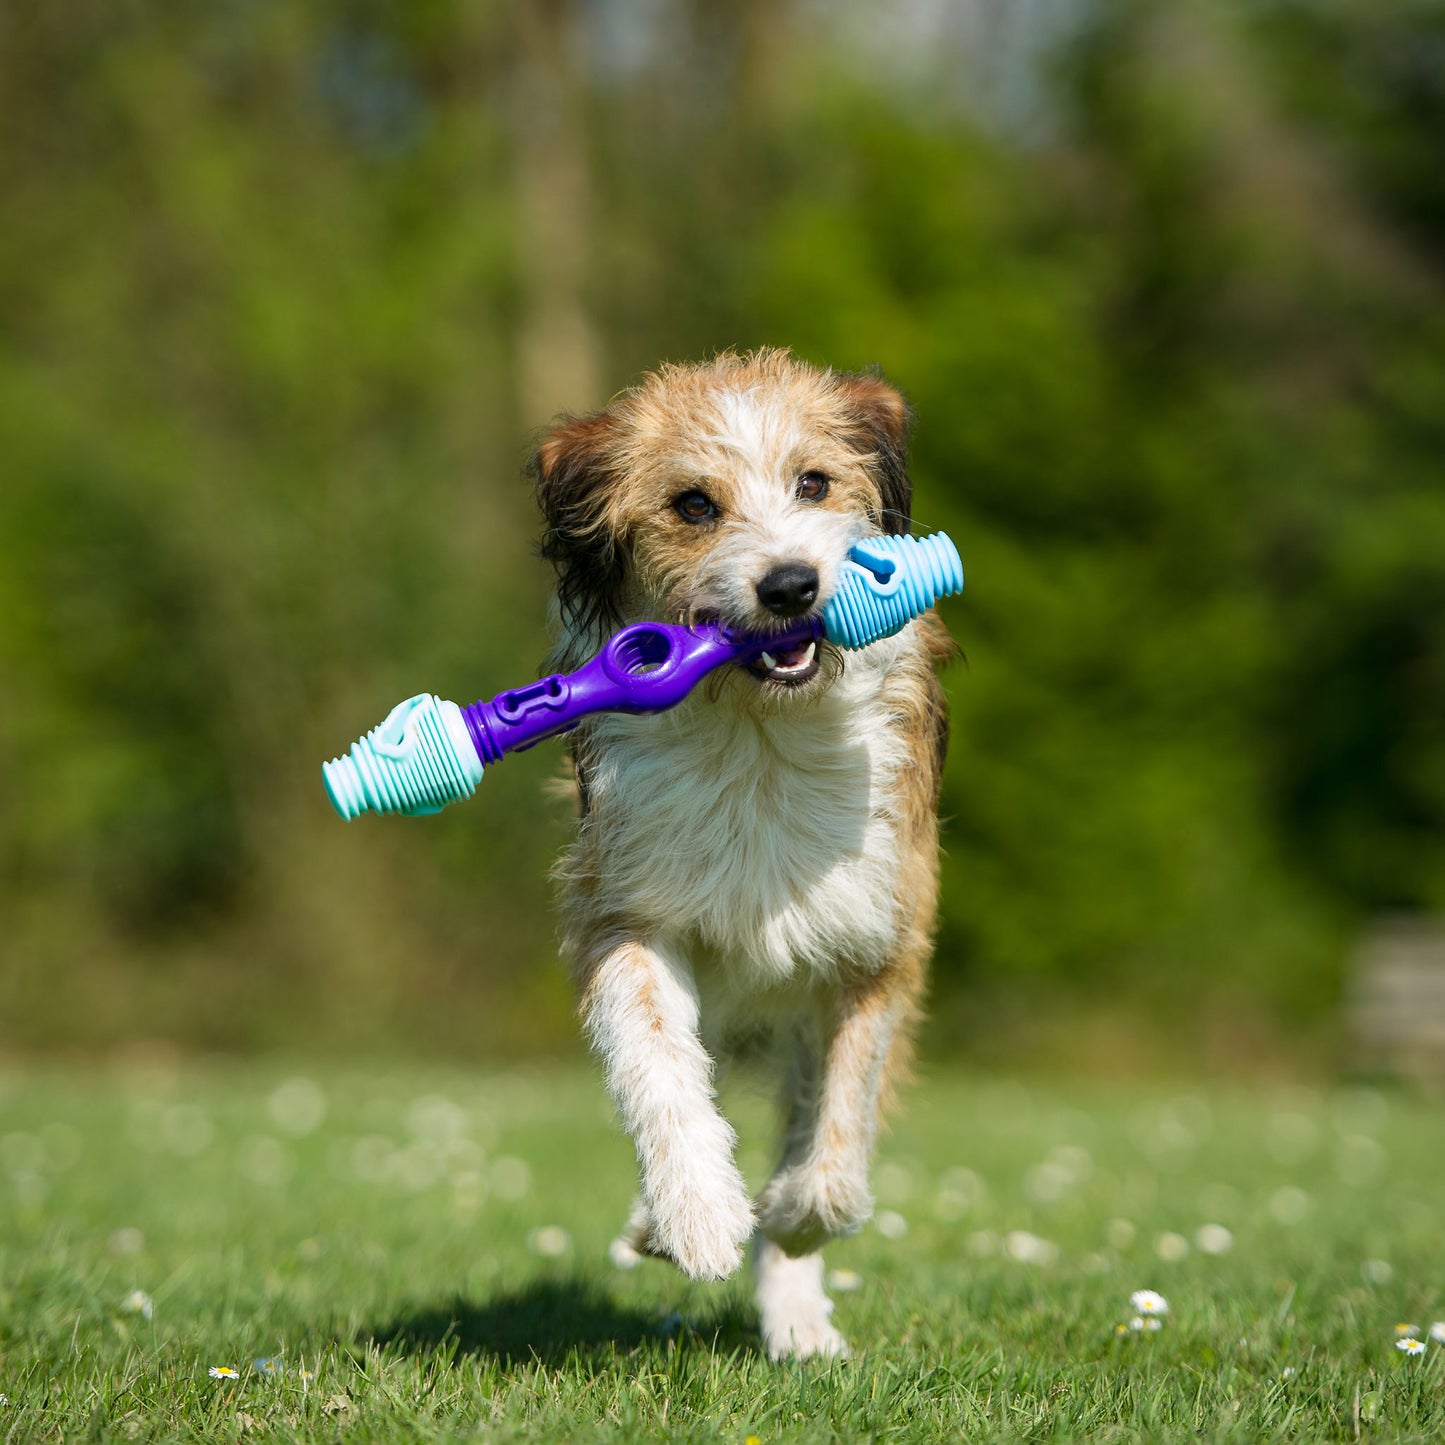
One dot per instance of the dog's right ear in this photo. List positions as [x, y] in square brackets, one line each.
[573, 471]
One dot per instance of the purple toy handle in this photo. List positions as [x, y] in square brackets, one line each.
[429, 752]
[648, 667]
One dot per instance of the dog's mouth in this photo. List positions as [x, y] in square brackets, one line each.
[784, 664]
[787, 666]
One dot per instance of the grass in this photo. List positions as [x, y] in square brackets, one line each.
[431, 1249]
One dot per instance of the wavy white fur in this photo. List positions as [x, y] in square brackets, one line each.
[765, 841]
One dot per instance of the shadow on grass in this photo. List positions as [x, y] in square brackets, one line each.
[552, 1321]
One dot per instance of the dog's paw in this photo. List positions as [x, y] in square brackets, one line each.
[623, 1253]
[804, 1339]
[702, 1231]
[634, 1244]
[793, 1307]
[804, 1206]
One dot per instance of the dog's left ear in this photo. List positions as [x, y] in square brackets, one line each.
[883, 421]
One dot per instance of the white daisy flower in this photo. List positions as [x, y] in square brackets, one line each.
[1028, 1248]
[844, 1280]
[1437, 1331]
[127, 1241]
[1407, 1332]
[224, 1372]
[138, 1302]
[1149, 1302]
[1411, 1347]
[1171, 1247]
[1214, 1239]
[890, 1224]
[551, 1241]
[1146, 1322]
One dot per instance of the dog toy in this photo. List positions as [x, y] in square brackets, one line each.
[430, 752]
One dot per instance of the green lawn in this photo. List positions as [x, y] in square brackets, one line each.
[430, 1248]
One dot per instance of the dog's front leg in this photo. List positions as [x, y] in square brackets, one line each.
[640, 1011]
[820, 1190]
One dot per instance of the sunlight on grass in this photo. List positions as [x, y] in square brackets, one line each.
[193, 1254]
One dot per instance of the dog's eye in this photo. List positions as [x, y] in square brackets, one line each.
[694, 506]
[812, 486]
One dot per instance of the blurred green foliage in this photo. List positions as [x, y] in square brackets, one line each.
[285, 291]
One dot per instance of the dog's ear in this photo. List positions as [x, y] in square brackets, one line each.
[883, 420]
[573, 472]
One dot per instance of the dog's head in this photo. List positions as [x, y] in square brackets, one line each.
[731, 489]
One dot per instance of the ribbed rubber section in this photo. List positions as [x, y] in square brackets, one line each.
[887, 582]
[408, 764]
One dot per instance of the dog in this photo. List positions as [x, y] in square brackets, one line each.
[762, 860]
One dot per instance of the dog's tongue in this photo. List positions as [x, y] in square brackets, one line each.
[789, 656]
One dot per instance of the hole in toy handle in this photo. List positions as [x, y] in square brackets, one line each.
[639, 650]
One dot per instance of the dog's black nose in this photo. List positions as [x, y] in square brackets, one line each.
[789, 590]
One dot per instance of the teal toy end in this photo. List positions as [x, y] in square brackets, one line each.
[416, 762]
[888, 581]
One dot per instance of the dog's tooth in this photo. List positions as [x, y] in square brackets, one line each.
[769, 661]
[812, 648]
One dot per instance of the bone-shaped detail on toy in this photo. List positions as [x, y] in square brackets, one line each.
[430, 752]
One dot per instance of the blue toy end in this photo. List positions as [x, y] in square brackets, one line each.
[415, 762]
[888, 581]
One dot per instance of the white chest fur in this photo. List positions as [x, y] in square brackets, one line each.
[767, 841]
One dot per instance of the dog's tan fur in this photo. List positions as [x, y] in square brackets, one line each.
[763, 857]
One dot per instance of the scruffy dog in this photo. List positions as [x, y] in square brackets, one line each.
[761, 860]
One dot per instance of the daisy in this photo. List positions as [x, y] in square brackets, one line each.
[1146, 1322]
[269, 1365]
[1411, 1347]
[1171, 1247]
[1149, 1302]
[224, 1372]
[550, 1241]
[1437, 1332]
[1407, 1332]
[890, 1224]
[138, 1302]
[1214, 1239]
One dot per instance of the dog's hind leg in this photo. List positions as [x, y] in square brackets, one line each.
[635, 1241]
[640, 1011]
[793, 1307]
